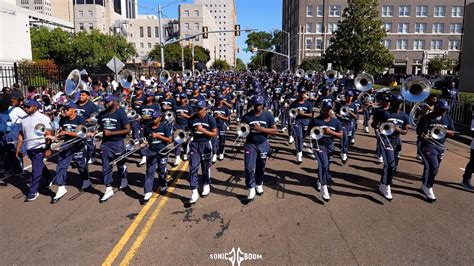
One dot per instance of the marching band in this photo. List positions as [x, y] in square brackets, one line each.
[157, 117]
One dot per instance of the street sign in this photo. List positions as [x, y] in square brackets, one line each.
[115, 65]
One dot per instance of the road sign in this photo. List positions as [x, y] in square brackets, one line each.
[115, 64]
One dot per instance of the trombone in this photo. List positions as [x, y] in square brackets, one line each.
[386, 129]
[243, 130]
[39, 129]
[434, 135]
[316, 133]
[131, 146]
[179, 137]
[169, 116]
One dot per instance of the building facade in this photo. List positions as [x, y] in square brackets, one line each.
[466, 82]
[216, 15]
[63, 10]
[96, 14]
[40, 6]
[417, 30]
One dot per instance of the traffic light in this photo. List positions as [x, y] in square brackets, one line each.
[205, 29]
[237, 30]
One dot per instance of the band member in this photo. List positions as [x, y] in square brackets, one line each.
[431, 150]
[256, 148]
[114, 123]
[390, 145]
[347, 120]
[466, 178]
[12, 127]
[37, 149]
[423, 110]
[67, 130]
[85, 108]
[146, 110]
[324, 147]
[367, 110]
[158, 136]
[221, 114]
[385, 104]
[137, 129]
[203, 128]
[184, 111]
[304, 112]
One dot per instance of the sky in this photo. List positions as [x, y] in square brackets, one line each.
[263, 15]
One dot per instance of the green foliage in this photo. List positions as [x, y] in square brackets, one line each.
[37, 81]
[173, 55]
[83, 49]
[240, 65]
[437, 64]
[312, 63]
[261, 40]
[357, 44]
[221, 65]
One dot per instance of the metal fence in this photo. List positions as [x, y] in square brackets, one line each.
[30, 75]
[460, 112]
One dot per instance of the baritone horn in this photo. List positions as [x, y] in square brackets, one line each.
[417, 111]
[416, 89]
[364, 82]
[165, 76]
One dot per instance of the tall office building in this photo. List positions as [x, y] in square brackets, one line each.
[97, 14]
[63, 9]
[417, 30]
[40, 6]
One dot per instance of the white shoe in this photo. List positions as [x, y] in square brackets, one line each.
[123, 183]
[177, 161]
[428, 192]
[325, 193]
[214, 158]
[109, 192]
[86, 184]
[299, 157]
[259, 189]
[380, 159]
[385, 191]
[92, 160]
[353, 141]
[205, 190]
[291, 140]
[185, 157]
[194, 196]
[61, 192]
[366, 129]
[221, 157]
[251, 195]
[143, 161]
[344, 157]
[318, 185]
[147, 196]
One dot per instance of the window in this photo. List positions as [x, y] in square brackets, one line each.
[319, 11]
[419, 45]
[142, 45]
[388, 26]
[422, 11]
[438, 27]
[436, 44]
[332, 27]
[186, 26]
[403, 27]
[402, 44]
[329, 42]
[319, 28]
[196, 13]
[455, 28]
[157, 32]
[148, 32]
[319, 44]
[90, 13]
[196, 26]
[309, 27]
[186, 13]
[456, 11]
[91, 26]
[141, 32]
[439, 11]
[309, 43]
[334, 11]
[404, 11]
[149, 45]
[454, 45]
[420, 28]
[387, 11]
[81, 26]
[387, 44]
[81, 13]
[309, 11]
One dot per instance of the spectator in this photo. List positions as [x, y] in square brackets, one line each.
[31, 92]
[450, 93]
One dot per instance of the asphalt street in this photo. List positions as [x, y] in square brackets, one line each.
[288, 224]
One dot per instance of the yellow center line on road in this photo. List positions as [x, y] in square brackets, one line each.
[131, 229]
[147, 227]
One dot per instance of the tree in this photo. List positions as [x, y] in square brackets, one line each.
[261, 40]
[312, 63]
[440, 63]
[357, 44]
[173, 55]
[240, 65]
[220, 65]
[51, 44]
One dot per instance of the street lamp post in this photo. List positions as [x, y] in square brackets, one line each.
[162, 46]
[288, 46]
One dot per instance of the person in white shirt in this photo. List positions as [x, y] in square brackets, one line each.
[466, 178]
[34, 126]
[15, 114]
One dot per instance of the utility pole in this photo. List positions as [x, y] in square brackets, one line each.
[288, 49]
[182, 58]
[162, 47]
[192, 54]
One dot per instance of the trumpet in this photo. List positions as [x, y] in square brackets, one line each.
[131, 146]
[386, 129]
[243, 130]
[179, 137]
[210, 112]
[316, 133]
[434, 135]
